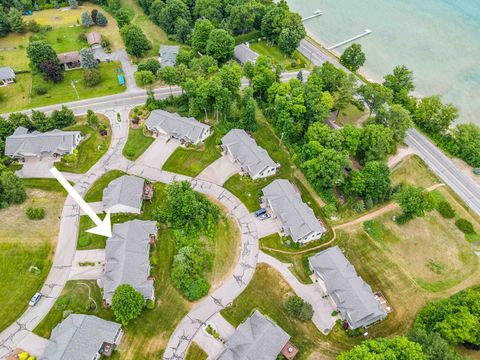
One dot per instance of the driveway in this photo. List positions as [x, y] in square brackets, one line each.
[37, 167]
[157, 153]
[219, 171]
[266, 227]
[34, 344]
[90, 272]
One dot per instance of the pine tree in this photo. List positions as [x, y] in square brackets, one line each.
[86, 19]
[73, 4]
[101, 20]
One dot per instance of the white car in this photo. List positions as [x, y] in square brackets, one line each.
[35, 298]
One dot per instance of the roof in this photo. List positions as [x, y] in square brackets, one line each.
[6, 73]
[243, 53]
[79, 337]
[126, 190]
[69, 57]
[176, 125]
[23, 143]
[168, 55]
[353, 296]
[297, 218]
[245, 150]
[94, 38]
[127, 258]
[258, 338]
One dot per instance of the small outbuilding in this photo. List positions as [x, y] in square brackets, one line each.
[124, 195]
[7, 76]
[168, 55]
[70, 60]
[244, 54]
[94, 38]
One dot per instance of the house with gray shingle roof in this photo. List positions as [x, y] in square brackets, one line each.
[253, 159]
[168, 55]
[258, 338]
[244, 54]
[124, 195]
[352, 296]
[296, 218]
[83, 337]
[22, 144]
[70, 60]
[127, 258]
[187, 130]
[7, 76]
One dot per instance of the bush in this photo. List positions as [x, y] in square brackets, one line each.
[329, 209]
[70, 158]
[84, 241]
[359, 206]
[446, 210]
[144, 77]
[35, 213]
[465, 226]
[40, 90]
[295, 306]
[91, 77]
[150, 304]
[82, 37]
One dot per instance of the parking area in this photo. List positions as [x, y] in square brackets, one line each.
[267, 226]
[88, 265]
[34, 167]
[219, 171]
[158, 153]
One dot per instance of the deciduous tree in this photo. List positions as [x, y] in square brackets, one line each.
[63, 117]
[41, 122]
[201, 32]
[353, 57]
[52, 71]
[127, 303]
[433, 116]
[135, 40]
[220, 45]
[38, 52]
[414, 201]
[398, 348]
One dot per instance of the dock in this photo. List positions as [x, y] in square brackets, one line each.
[315, 14]
[365, 33]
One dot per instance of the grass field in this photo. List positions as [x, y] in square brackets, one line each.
[66, 39]
[96, 190]
[351, 115]
[280, 58]
[412, 170]
[195, 352]
[16, 96]
[136, 144]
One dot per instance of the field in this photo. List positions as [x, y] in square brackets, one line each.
[136, 144]
[280, 58]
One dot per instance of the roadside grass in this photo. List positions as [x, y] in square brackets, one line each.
[89, 150]
[195, 352]
[351, 115]
[136, 144]
[192, 162]
[95, 192]
[412, 170]
[280, 58]
[16, 96]
[44, 184]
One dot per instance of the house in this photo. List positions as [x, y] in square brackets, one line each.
[187, 130]
[94, 38]
[258, 338]
[7, 76]
[55, 143]
[124, 195]
[83, 337]
[168, 55]
[70, 60]
[244, 54]
[127, 258]
[297, 219]
[253, 159]
[352, 296]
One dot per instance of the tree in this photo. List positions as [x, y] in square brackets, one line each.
[249, 114]
[292, 33]
[38, 52]
[231, 77]
[15, 20]
[86, 19]
[263, 76]
[63, 117]
[318, 103]
[123, 17]
[41, 122]
[351, 138]
[211, 10]
[245, 15]
[376, 143]
[467, 139]
[127, 303]
[152, 65]
[326, 169]
[272, 22]
[91, 77]
[330, 76]
[55, 4]
[19, 119]
[101, 19]
[87, 59]
[401, 84]
[92, 119]
[4, 24]
[295, 306]
[433, 116]
[433, 345]
[414, 201]
[73, 4]
[375, 96]
[377, 182]
[171, 12]
[12, 190]
[182, 30]
[93, 15]
[168, 76]
[353, 57]
[144, 77]
[52, 71]
[398, 348]
[396, 118]
[220, 45]
[136, 42]
[344, 94]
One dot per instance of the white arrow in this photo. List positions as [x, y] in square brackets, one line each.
[103, 228]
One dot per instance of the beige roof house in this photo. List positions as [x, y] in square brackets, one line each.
[71, 60]
[94, 38]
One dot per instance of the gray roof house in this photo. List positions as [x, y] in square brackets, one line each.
[243, 54]
[70, 60]
[187, 130]
[7, 75]
[83, 337]
[352, 296]
[168, 55]
[124, 195]
[253, 159]
[258, 338]
[56, 143]
[127, 258]
[298, 220]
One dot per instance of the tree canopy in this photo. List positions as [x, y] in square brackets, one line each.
[353, 57]
[127, 303]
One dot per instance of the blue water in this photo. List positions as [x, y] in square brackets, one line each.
[438, 39]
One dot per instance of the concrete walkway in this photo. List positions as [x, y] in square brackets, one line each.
[91, 272]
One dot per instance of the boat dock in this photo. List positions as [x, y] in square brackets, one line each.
[315, 14]
[365, 33]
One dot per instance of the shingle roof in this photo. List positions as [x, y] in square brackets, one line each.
[22, 143]
[168, 55]
[69, 57]
[353, 296]
[177, 126]
[258, 338]
[126, 190]
[94, 38]
[127, 258]
[79, 337]
[6, 73]
[245, 150]
[297, 218]
[243, 53]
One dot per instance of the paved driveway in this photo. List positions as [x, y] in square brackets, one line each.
[37, 168]
[94, 272]
[158, 153]
[266, 227]
[219, 171]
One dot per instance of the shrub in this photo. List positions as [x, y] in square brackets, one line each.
[446, 210]
[359, 206]
[465, 226]
[33, 26]
[70, 158]
[329, 209]
[35, 213]
[84, 241]
[144, 77]
[295, 306]
[91, 77]
[150, 304]
[40, 90]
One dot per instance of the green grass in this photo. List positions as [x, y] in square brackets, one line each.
[95, 192]
[136, 144]
[413, 170]
[44, 184]
[280, 58]
[16, 96]
[350, 115]
[254, 35]
[89, 150]
[195, 352]
[65, 39]
[192, 162]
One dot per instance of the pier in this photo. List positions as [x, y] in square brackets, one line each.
[315, 14]
[365, 33]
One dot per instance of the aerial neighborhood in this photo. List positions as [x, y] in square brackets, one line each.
[202, 180]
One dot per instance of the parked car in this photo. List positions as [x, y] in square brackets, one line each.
[264, 216]
[260, 212]
[476, 171]
[35, 298]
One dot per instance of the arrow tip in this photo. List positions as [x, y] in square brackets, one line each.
[104, 229]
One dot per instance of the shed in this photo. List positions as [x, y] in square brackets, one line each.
[244, 54]
[168, 55]
[7, 76]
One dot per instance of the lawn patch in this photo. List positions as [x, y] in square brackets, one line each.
[95, 192]
[351, 115]
[136, 144]
[195, 352]
[297, 61]
[412, 170]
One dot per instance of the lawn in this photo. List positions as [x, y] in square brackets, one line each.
[14, 51]
[412, 170]
[191, 162]
[136, 144]
[16, 96]
[351, 115]
[66, 39]
[195, 352]
[96, 190]
[280, 58]
[89, 150]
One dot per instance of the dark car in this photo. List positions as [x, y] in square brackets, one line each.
[260, 212]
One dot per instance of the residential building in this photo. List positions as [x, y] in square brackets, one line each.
[352, 296]
[124, 195]
[70, 60]
[258, 338]
[23, 144]
[243, 54]
[168, 55]
[7, 76]
[187, 130]
[297, 219]
[94, 38]
[83, 337]
[127, 258]
[253, 159]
